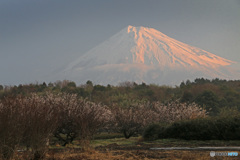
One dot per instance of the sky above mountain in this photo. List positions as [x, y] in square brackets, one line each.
[39, 37]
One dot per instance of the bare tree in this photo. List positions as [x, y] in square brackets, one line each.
[10, 127]
[175, 111]
[31, 121]
[132, 119]
[27, 121]
[40, 121]
[78, 118]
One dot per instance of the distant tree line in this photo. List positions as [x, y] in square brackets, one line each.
[212, 95]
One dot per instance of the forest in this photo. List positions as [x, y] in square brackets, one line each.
[35, 117]
[213, 95]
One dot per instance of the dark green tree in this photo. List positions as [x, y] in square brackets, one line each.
[1, 87]
[209, 100]
[187, 97]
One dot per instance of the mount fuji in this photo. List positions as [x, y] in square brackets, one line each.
[142, 54]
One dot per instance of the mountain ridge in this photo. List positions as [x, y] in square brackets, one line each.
[144, 54]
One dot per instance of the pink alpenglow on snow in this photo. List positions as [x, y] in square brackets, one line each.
[153, 44]
[142, 54]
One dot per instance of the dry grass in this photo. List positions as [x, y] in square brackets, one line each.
[134, 155]
[92, 154]
[131, 149]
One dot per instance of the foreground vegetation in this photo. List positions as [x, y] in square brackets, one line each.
[36, 117]
[132, 148]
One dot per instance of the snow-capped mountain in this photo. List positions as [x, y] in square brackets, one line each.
[143, 54]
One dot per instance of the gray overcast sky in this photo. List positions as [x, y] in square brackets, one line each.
[38, 37]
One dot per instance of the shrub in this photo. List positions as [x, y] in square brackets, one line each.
[153, 132]
[198, 129]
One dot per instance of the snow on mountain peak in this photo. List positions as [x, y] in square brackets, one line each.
[152, 47]
[144, 54]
